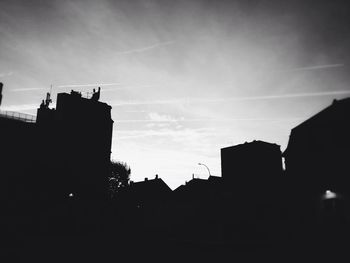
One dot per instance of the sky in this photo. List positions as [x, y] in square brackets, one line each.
[184, 78]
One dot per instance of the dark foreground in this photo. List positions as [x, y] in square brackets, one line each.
[108, 249]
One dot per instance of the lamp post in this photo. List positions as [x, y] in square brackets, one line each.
[205, 167]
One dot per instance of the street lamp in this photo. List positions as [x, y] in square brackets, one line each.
[205, 167]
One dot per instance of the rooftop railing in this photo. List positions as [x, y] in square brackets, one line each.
[18, 116]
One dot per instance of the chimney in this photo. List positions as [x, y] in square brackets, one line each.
[146, 179]
[156, 176]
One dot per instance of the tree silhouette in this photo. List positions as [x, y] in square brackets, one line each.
[119, 177]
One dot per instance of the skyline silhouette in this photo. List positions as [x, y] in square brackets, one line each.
[199, 172]
[256, 204]
[46, 112]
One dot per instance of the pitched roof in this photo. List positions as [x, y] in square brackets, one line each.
[249, 144]
[149, 189]
[338, 110]
[199, 188]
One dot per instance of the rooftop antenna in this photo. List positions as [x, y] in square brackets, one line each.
[48, 99]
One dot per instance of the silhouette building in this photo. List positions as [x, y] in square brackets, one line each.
[17, 133]
[149, 190]
[148, 202]
[317, 154]
[200, 189]
[79, 132]
[64, 153]
[251, 167]
[198, 211]
[252, 174]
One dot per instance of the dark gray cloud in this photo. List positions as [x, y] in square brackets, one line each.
[301, 33]
[322, 23]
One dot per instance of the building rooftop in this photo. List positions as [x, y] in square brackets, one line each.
[255, 142]
[18, 116]
[323, 116]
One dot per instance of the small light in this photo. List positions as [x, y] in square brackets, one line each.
[71, 195]
[329, 194]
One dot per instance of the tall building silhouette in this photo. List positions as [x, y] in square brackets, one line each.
[316, 161]
[251, 167]
[317, 154]
[17, 144]
[252, 175]
[64, 153]
[79, 132]
[317, 170]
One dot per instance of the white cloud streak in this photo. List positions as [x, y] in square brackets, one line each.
[227, 99]
[88, 85]
[184, 134]
[143, 49]
[19, 108]
[327, 66]
[156, 117]
[212, 120]
[25, 89]
[6, 74]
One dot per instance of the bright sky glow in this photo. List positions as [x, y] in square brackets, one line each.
[185, 78]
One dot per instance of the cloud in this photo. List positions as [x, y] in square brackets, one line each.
[228, 99]
[157, 125]
[156, 117]
[134, 111]
[286, 96]
[327, 66]
[192, 138]
[6, 74]
[165, 119]
[88, 85]
[140, 102]
[108, 89]
[19, 108]
[130, 86]
[143, 49]
[25, 89]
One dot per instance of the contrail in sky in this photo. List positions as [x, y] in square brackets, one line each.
[198, 100]
[292, 95]
[214, 120]
[142, 49]
[25, 89]
[312, 68]
[208, 100]
[88, 85]
[282, 96]
[78, 86]
[20, 108]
